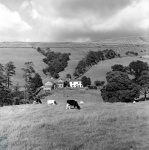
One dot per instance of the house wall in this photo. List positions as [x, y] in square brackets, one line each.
[75, 84]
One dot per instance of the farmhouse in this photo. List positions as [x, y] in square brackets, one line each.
[48, 86]
[75, 83]
[60, 83]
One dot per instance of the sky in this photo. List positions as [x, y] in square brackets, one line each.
[72, 20]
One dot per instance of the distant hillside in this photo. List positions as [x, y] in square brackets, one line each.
[98, 72]
[19, 56]
[21, 52]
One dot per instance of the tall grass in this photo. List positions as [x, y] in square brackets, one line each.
[97, 126]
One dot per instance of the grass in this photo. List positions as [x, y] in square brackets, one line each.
[19, 56]
[78, 50]
[96, 126]
[99, 71]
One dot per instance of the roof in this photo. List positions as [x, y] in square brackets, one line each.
[75, 80]
[49, 83]
[60, 81]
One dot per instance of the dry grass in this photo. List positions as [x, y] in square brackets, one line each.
[97, 126]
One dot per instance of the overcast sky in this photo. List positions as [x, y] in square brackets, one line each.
[72, 20]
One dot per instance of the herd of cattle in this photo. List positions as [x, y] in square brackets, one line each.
[70, 103]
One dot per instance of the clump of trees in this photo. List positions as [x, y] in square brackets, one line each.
[6, 72]
[92, 58]
[10, 94]
[32, 80]
[85, 81]
[56, 62]
[121, 88]
[131, 52]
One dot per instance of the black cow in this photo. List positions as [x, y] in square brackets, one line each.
[72, 103]
[38, 100]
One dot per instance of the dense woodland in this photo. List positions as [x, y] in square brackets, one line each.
[56, 62]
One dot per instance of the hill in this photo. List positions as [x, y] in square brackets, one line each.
[19, 56]
[98, 72]
[96, 126]
[21, 52]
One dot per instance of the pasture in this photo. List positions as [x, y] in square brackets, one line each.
[97, 126]
[19, 56]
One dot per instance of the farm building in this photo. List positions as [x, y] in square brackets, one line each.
[75, 83]
[48, 86]
[60, 83]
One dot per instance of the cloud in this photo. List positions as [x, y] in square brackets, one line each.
[11, 22]
[82, 19]
[78, 20]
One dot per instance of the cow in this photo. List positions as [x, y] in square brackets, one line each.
[51, 102]
[73, 103]
[81, 102]
[37, 101]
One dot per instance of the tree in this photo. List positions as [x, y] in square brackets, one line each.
[29, 73]
[68, 76]
[143, 81]
[9, 70]
[35, 83]
[118, 67]
[99, 83]
[55, 75]
[81, 68]
[136, 68]
[119, 88]
[85, 81]
[110, 54]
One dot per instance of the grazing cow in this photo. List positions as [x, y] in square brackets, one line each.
[51, 102]
[72, 103]
[34, 102]
[37, 101]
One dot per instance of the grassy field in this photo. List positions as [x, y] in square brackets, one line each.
[97, 126]
[24, 52]
[98, 72]
[19, 56]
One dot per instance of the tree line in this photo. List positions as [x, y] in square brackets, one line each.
[92, 58]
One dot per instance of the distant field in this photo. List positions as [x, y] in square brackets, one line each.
[19, 56]
[21, 52]
[97, 126]
[98, 72]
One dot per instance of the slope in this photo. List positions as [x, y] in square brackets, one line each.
[96, 126]
[19, 56]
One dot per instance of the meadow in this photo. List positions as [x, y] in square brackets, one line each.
[97, 126]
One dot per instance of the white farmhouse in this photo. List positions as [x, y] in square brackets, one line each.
[75, 83]
[48, 86]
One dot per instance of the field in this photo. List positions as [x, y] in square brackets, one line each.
[97, 126]
[21, 52]
[19, 56]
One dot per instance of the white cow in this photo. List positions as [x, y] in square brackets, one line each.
[34, 102]
[81, 102]
[51, 102]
